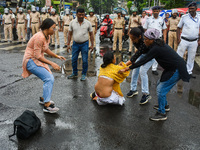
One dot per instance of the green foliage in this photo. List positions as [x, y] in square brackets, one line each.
[169, 4]
[129, 4]
[1, 9]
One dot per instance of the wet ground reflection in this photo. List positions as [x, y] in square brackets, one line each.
[194, 98]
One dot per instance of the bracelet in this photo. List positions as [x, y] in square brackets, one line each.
[56, 56]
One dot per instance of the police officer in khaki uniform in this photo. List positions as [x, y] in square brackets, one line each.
[65, 25]
[21, 23]
[56, 19]
[93, 20]
[173, 24]
[8, 22]
[34, 20]
[118, 30]
[43, 15]
[134, 21]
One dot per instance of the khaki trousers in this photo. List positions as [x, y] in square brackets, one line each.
[94, 37]
[131, 46]
[21, 29]
[117, 33]
[66, 30]
[8, 28]
[57, 37]
[172, 38]
[35, 28]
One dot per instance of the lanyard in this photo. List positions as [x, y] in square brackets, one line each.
[193, 19]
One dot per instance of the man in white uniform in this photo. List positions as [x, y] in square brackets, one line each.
[189, 24]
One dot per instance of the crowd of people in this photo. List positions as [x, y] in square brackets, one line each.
[147, 34]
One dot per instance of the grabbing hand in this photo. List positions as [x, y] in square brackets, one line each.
[123, 70]
[55, 66]
[120, 64]
[91, 48]
[61, 57]
[69, 48]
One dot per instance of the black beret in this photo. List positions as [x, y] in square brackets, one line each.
[156, 8]
[192, 4]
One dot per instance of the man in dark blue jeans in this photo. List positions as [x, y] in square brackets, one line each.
[79, 28]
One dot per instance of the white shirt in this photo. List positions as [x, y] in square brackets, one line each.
[190, 26]
[153, 23]
[28, 20]
[80, 32]
[143, 20]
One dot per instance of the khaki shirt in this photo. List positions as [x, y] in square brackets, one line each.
[7, 18]
[173, 23]
[93, 20]
[80, 32]
[35, 17]
[44, 16]
[67, 19]
[119, 22]
[21, 18]
[132, 23]
[55, 18]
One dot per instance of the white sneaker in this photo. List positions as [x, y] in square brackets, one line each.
[51, 109]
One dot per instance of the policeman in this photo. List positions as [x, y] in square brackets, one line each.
[189, 24]
[93, 20]
[56, 19]
[21, 23]
[44, 15]
[65, 25]
[156, 22]
[71, 13]
[34, 20]
[8, 22]
[134, 21]
[172, 23]
[118, 30]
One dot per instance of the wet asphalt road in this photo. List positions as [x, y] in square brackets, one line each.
[83, 125]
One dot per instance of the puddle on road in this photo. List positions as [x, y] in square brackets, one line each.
[194, 98]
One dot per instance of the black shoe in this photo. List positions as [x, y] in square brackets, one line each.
[132, 93]
[58, 46]
[93, 95]
[167, 109]
[120, 52]
[129, 53]
[19, 42]
[155, 73]
[52, 45]
[114, 51]
[158, 116]
[65, 46]
[192, 76]
[145, 99]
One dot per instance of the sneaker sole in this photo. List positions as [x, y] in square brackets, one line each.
[167, 110]
[42, 103]
[51, 112]
[146, 101]
[161, 119]
[132, 95]
[72, 77]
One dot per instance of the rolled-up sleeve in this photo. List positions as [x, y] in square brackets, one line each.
[180, 24]
[38, 44]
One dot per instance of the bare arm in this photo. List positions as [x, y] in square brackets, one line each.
[165, 35]
[178, 32]
[91, 39]
[50, 53]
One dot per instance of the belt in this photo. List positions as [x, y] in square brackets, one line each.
[80, 42]
[66, 25]
[188, 39]
[173, 30]
[20, 22]
[118, 28]
[7, 23]
[34, 22]
[94, 26]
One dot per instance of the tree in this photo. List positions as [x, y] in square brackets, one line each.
[169, 4]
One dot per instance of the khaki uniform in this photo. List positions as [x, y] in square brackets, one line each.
[67, 20]
[44, 16]
[21, 26]
[118, 31]
[132, 25]
[93, 21]
[35, 19]
[56, 19]
[172, 37]
[7, 26]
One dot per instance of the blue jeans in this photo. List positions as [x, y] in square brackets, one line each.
[142, 70]
[83, 48]
[163, 88]
[45, 76]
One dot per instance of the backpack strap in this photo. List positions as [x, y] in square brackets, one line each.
[14, 132]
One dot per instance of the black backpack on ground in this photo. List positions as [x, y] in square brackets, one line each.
[27, 124]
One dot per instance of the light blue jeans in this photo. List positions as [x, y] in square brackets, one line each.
[142, 70]
[83, 48]
[45, 76]
[163, 88]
